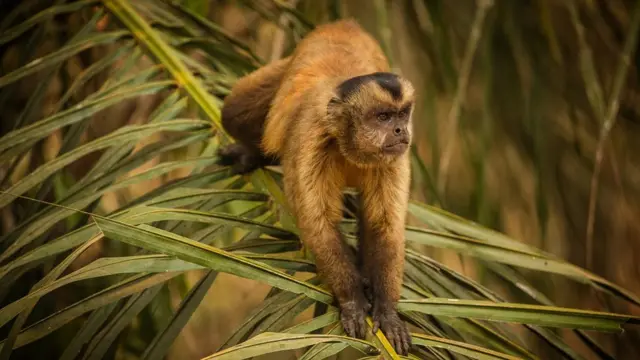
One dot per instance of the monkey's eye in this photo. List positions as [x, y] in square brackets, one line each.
[383, 116]
[402, 113]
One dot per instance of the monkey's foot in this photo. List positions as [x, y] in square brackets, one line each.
[240, 158]
[352, 316]
[386, 319]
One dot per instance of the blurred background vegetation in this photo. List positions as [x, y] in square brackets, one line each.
[526, 121]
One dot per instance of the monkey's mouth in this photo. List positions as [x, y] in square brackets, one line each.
[397, 147]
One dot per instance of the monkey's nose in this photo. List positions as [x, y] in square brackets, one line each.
[397, 131]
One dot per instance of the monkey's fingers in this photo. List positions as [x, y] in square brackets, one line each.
[348, 326]
[354, 327]
[394, 329]
[362, 328]
[406, 341]
[403, 338]
[376, 325]
[367, 307]
[353, 321]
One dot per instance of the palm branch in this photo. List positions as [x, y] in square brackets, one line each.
[198, 217]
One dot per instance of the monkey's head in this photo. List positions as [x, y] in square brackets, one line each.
[370, 118]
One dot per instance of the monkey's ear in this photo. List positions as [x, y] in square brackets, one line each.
[335, 100]
[335, 103]
[335, 106]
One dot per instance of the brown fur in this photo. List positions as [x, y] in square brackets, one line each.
[246, 107]
[243, 115]
[326, 142]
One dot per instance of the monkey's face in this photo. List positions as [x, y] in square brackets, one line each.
[392, 125]
[380, 132]
[376, 124]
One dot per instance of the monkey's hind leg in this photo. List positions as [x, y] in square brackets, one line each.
[243, 159]
[243, 116]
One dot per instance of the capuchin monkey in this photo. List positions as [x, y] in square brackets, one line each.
[333, 115]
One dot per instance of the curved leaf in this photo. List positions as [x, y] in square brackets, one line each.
[330, 317]
[130, 286]
[122, 135]
[520, 313]
[45, 282]
[325, 350]
[215, 259]
[98, 268]
[104, 339]
[39, 224]
[167, 56]
[511, 255]
[269, 306]
[61, 55]
[474, 352]
[77, 113]
[14, 32]
[266, 343]
[221, 218]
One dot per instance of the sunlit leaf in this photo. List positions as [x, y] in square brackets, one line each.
[215, 259]
[316, 323]
[506, 251]
[325, 350]
[521, 313]
[474, 352]
[266, 343]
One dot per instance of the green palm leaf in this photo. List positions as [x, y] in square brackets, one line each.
[168, 67]
[272, 342]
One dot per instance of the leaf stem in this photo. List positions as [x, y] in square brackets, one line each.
[609, 122]
[166, 55]
[463, 80]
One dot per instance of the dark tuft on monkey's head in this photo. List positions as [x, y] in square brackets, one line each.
[389, 82]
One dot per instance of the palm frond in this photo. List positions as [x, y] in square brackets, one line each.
[113, 215]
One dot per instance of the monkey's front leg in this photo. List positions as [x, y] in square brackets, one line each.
[382, 255]
[336, 265]
[317, 200]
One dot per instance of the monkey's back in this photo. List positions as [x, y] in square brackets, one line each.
[329, 54]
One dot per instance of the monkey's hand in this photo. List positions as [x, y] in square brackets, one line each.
[385, 318]
[353, 315]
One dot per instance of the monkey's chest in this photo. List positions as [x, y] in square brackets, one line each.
[353, 177]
